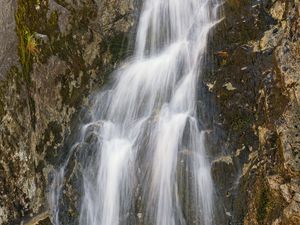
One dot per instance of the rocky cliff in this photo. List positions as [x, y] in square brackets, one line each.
[252, 78]
[55, 53]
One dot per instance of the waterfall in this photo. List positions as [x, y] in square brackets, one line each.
[145, 141]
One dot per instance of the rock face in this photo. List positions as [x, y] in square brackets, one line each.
[8, 37]
[53, 54]
[252, 78]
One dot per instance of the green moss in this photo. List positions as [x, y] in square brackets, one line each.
[30, 20]
[241, 123]
[23, 32]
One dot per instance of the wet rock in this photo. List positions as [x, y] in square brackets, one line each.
[223, 172]
[63, 16]
[70, 56]
[42, 37]
[262, 43]
[8, 37]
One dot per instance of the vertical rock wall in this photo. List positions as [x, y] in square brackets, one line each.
[8, 37]
[53, 54]
[254, 82]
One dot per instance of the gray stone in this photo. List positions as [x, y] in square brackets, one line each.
[8, 37]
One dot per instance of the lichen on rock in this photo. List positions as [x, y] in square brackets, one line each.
[260, 117]
[63, 56]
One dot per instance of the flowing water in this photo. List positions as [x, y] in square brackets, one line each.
[147, 151]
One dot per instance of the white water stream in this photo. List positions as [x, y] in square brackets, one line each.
[146, 121]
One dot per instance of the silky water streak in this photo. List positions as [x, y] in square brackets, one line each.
[146, 161]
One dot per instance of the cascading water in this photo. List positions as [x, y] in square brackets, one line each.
[145, 127]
